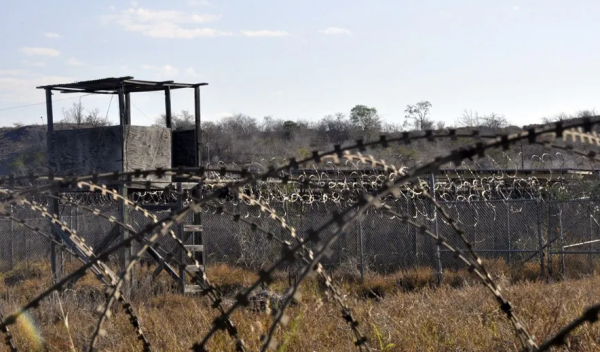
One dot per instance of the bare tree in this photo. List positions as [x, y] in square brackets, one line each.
[336, 127]
[94, 119]
[182, 121]
[418, 116]
[473, 119]
[77, 115]
[365, 118]
[469, 119]
[563, 116]
[74, 115]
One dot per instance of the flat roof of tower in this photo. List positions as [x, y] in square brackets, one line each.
[111, 85]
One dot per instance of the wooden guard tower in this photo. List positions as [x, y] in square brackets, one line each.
[125, 148]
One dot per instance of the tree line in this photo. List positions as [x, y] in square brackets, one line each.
[240, 138]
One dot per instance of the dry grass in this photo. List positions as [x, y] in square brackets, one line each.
[400, 312]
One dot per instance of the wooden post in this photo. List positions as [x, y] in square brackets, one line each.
[122, 118]
[168, 107]
[127, 108]
[49, 115]
[198, 128]
[197, 217]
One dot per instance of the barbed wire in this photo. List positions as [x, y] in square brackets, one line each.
[380, 191]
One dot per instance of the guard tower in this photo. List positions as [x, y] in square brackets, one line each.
[124, 148]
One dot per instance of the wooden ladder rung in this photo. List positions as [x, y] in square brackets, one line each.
[193, 268]
[194, 247]
[191, 289]
[192, 228]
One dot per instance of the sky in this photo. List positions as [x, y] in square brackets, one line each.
[306, 59]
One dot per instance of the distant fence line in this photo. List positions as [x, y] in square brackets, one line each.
[514, 230]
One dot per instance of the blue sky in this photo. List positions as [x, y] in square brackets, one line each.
[306, 59]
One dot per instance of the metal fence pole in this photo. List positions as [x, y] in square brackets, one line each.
[180, 234]
[360, 247]
[549, 243]
[540, 239]
[562, 240]
[508, 231]
[591, 246]
[438, 254]
[12, 236]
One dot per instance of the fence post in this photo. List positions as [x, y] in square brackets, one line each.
[127, 251]
[12, 235]
[56, 269]
[591, 246]
[438, 254]
[549, 243]
[508, 231]
[360, 247]
[180, 234]
[540, 239]
[562, 241]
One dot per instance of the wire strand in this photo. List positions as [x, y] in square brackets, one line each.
[25, 106]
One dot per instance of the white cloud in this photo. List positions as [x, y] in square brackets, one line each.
[191, 72]
[40, 51]
[199, 2]
[21, 89]
[166, 70]
[74, 62]
[52, 35]
[277, 93]
[34, 63]
[134, 3]
[112, 8]
[16, 72]
[223, 114]
[265, 33]
[516, 8]
[335, 31]
[164, 23]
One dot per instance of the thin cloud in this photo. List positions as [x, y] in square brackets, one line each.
[265, 33]
[191, 72]
[164, 23]
[21, 89]
[335, 31]
[52, 35]
[34, 63]
[74, 62]
[199, 2]
[39, 51]
[161, 70]
[16, 72]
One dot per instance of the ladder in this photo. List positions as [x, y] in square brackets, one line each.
[194, 232]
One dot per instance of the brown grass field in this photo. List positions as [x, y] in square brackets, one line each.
[400, 312]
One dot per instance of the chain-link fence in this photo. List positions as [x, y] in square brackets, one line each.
[555, 235]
